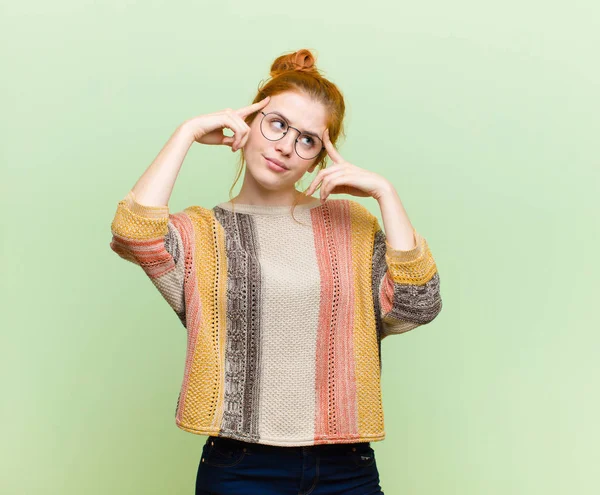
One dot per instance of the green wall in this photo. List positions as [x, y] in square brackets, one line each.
[484, 116]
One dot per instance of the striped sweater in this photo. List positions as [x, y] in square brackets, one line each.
[284, 316]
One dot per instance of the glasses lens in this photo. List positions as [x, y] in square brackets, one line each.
[308, 146]
[274, 127]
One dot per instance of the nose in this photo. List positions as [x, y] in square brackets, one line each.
[286, 144]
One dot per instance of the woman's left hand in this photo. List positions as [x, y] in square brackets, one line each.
[344, 178]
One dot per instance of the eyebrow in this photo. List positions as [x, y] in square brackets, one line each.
[310, 133]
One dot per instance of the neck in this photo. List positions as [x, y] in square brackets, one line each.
[253, 194]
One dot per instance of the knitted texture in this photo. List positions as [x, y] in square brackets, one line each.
[284, 320]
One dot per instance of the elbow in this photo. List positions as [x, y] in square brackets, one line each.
[433, 304]
[117, 246]
[416, 315]
[417, 304]
[432, 312]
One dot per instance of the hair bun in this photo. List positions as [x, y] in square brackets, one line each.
[301, 60]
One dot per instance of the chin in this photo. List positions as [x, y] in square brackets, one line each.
[255, 166]
[272, 185]
[265, 178]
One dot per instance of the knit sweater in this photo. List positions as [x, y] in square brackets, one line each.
[284, 320]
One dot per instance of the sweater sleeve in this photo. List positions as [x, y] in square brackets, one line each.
[406, 284]
[148, 236]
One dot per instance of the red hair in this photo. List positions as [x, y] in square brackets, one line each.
[297, 72]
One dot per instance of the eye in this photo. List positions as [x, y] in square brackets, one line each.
[277, 122]
[307, 140]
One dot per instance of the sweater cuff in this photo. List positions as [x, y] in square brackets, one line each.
[405, 256]
[133, 220]
[145, 210]
[414, 267]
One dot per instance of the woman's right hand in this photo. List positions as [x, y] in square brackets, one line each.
[208, 128]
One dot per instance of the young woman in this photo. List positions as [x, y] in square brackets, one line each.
[285, 297]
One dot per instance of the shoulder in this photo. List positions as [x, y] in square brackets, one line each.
[196, 217]
[350, 204]
[195, 211]
[358, 213]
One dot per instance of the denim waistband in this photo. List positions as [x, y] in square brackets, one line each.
[227, 442]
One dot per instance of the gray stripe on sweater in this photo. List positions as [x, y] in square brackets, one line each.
[412, 305]
[242, 354]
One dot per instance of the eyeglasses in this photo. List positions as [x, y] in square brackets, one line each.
[274, 127]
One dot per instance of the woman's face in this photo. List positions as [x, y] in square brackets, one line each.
[300, 112]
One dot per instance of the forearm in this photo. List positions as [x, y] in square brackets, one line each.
[156, 184]
[399, 231]
[409, 291]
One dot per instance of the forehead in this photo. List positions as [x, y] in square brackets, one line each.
[300, 110]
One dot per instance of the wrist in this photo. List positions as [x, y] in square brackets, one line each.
[385, 191]
[185, 132]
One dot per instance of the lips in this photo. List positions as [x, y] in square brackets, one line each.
[276, 162]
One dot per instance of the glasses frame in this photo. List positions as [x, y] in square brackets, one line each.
[284, 134]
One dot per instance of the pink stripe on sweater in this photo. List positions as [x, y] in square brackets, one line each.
[335, 385]
[151, 255]
[386, 293]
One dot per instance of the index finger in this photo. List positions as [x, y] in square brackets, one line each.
[331, 149]
[244, 111]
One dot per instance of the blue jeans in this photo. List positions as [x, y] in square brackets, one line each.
[233, 467]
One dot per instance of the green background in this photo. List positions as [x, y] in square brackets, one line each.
[484, 115]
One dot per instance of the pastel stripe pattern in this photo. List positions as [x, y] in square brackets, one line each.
[284, 316]
[335, 360]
